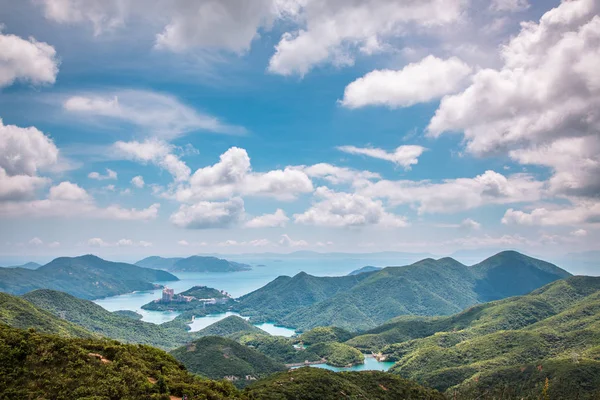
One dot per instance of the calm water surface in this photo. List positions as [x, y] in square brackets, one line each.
[238, 284]
[371, 364]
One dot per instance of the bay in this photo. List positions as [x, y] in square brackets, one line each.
[370, 364]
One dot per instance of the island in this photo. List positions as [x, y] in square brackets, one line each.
[194, 302]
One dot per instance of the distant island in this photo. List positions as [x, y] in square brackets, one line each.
[28, 265]
[363, 270]
[87, 277]
[194, 302]
[193, 264]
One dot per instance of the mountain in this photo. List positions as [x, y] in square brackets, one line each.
[284, 295]
[217, 358]
[362, 270]
[28, 265]
[87, 277]
[97, 320]
[553, 332]
[231, 327]
[39, 366]
[318, 384]
[19, 313]
[193, 264]
[428, 287]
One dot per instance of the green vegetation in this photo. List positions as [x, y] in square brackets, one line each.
[87, 277]
[204, 292]
[28, 265]
[320, 384]
[97, 320]
[216, 357]
[338, 354]
[323, 334]
[556, 326]
[129, 314]
[193, 264]
[231, 327]
[278, 348]
[39, 366]
[19, 313]
[428, 287]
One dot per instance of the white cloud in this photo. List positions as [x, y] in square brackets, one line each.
[159, 114]
[157, 152]
[509, 5]
[453, 195]
[286, 241]
[138, 181]
[54, 245]
[347, 210]
[207, 215]
[335, 30]
[233, 175]
[324, 244]
[470, 224]
[277, 219]
[67, 199]
[110, 174]
[125, 242]
[36, 242]
[420, 82]
[579, 233]
[97, 242]
[26, 60]
[337, 175]
[403, 156]
[542, 106]
[259, 242]
[583, 212]
[183, 243]
[23, 153]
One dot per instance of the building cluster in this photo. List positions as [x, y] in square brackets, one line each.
[169, 296]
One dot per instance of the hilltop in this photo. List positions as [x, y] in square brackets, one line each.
[428, 287]
[87, 277]
[231, 327]
[27, 265]
[193, 264]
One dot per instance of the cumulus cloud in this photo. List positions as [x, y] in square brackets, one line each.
[68, 191]
[110, 174]
[334, 31]
[207, 215]
[579, 233]
[337, 175]
[99, 242]
[233, 175]
[287, 241]
[157, 152]
[541, 107]
[277, 219]
[36, 241]
[470, 224]
[453, 195]
[26, 60]
[583, 212]
[159, 114]
[23, 153]
[183, 243]
[403, 156]
[347, 210]
[420, 82]
[509, 5]
[138, 181]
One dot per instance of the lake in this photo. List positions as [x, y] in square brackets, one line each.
[240, 283]
[370, 364]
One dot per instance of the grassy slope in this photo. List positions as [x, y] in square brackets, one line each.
[86, 277]
[216, 357]
[37, 366]
[278, 348]
[19, 313]
[96, 319]
[548, 326]
[231, 327]
[318, 384]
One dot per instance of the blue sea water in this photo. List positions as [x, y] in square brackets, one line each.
[370, 364]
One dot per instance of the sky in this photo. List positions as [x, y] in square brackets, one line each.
[141, 127]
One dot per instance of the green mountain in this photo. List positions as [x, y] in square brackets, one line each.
[554, 330]
[193, 264]
[217, 358]
[28, 265]
[362, 270]
[320, 384]
[428, 287]
[97, 320]
[231, 327]
[284, 295]
[204, 292]
[39, 366]
[87, 277]
[278, 348]
[19, 313]
[322, 334]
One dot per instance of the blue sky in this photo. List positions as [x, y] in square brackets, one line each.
[134, 128]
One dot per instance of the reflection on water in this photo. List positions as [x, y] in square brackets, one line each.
[203, 322]
[371, 364]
